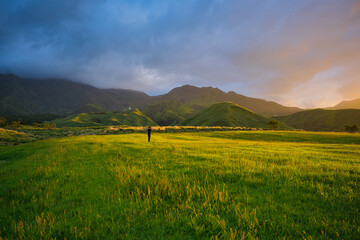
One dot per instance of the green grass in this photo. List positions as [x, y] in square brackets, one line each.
[291, 136]
[229, 185]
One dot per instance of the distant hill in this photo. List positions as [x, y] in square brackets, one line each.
[131, 118]
[32, 100]
[33, 96]
[322, 120]
[168, 113]
[23, 96]
[228, 114]
[352, 104]
[200, 98]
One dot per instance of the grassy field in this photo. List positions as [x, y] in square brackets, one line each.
[25, 134]
[226, 185]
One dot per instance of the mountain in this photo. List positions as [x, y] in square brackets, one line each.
[352, 104]
[228, 114]
[89, 108]
[129, 118]
[322, 120]
[25, 96]
[200, 98]
[32, 96]
[168, 113]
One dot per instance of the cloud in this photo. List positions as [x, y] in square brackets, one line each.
[303, 53]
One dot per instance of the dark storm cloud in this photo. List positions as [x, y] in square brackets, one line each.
[297, 52]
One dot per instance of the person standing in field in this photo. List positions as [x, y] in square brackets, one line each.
[149, 130]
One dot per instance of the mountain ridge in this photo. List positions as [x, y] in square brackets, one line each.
[202, 97]
[347, 104]
[61, 96]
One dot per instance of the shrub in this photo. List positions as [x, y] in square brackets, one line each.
[273, 124]
[3, 121]
[351, 128]
[15, 124]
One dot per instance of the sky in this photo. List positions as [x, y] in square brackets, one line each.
[298, 53]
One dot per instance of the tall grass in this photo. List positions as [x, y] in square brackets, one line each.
[227, 185]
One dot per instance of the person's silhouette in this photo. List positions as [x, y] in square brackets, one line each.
[149, 130]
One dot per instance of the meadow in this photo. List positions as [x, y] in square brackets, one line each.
[196, 185]
[13, 136]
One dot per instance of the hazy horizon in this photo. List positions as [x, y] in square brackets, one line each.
[303, 53]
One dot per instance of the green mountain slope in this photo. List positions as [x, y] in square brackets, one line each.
[133, 118]
[89, 108]
[22, 96]
[168, 113]
[228, 114]
[322, 120]
[200, 98]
